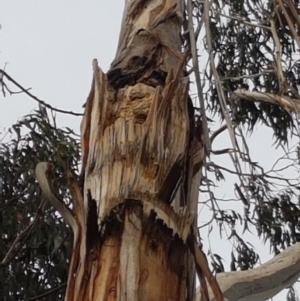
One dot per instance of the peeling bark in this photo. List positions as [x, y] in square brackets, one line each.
[142, 154]
[261, 283]
[141, 158]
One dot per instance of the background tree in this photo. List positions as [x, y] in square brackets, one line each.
[236, 78]
[36, 243]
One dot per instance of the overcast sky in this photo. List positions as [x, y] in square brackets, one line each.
[49, 46]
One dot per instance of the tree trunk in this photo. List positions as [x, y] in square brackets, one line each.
[141, 160]
[141, 167]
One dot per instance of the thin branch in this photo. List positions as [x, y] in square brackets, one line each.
[247, 76]
[281, 77]
[26, 91]
[217, 132]
[260, 176]
[21, 238]
[291, 26]
[8, 202]
[197, 76]
[48, 293]
[293, 10]
[1, 80]
[220, 91]
[242, 20]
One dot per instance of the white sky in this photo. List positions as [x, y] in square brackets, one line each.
[49, 47]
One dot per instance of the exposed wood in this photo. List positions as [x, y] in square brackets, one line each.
[259, 284]
[264, 281]
[142, 154]
[141, 157]
[202, 267]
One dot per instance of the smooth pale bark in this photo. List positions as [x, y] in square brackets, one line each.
[263, 282]
[291, 105]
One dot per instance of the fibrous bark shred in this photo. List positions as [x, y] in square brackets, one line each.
[140, 159]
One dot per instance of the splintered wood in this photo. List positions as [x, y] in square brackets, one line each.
[138, 142]
[141, 158]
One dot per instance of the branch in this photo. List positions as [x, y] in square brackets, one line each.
[285, 102]
[239, 19]
[202, 267]
[48, 293]
[281, 78]
[23, 90]
[217, 132]
[22, 237]
[291, 26]
[43, 174]
[197, 75]
[263, 282]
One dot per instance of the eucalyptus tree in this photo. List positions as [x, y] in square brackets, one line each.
[146, 148]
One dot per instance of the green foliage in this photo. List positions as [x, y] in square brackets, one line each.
[243, 46]
[248, 43]
[36, 241]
